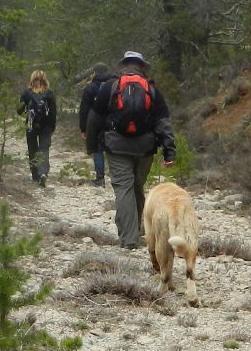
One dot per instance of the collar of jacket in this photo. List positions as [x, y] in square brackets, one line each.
[132, 68]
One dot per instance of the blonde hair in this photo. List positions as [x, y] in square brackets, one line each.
[38, 82]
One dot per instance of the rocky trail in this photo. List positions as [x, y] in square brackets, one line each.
[91, 273]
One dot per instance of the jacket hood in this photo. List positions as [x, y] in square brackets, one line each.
[103, 77]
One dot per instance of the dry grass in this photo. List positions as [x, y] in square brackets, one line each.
[202, 337]
[208, 109]
[123, 284]
[232, 317]
[238, 334]
[246, 305]
[187, 320]
[99, 236]
[104, 263]
[231, 246]
[174, 348]
[170, 308]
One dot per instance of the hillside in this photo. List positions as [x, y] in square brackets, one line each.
[227, 120]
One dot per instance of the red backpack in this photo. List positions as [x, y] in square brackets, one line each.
[131, 104]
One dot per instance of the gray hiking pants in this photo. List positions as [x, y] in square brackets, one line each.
[128, 176]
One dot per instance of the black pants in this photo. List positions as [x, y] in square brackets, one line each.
[39, 142]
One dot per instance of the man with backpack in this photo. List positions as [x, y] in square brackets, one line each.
[39, 104]
[87, 114]
[135, 120]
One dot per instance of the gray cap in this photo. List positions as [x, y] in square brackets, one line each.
[100, 68]
[133, 55]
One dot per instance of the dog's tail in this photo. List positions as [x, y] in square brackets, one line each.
[183, 229]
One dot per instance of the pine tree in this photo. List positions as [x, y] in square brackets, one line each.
[14, 336]
[11, 276]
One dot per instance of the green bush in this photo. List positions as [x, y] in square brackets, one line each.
[231, 344]
[183, 167]
[13, 335]
[71, 344]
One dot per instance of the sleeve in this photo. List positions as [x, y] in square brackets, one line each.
[23, 102]
[52, 111]
[85, 105]
[162, 127]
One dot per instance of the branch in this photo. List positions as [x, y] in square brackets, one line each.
[231, 9]
[199, 51]
[223, 33]
[221, 42]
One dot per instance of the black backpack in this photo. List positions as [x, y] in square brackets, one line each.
[37, 110]
[131, 105]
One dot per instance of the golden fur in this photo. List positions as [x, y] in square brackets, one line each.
[171, 226]
[39, 82]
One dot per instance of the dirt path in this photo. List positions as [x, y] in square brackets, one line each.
[80, 241]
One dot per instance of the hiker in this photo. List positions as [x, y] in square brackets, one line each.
[39, 104]
[87, 114]
[135, 120]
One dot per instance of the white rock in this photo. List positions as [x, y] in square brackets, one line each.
[87, 240]
[238, 205]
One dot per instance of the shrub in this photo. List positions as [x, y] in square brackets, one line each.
[209, 248]
[80, 169]
[97, 233]
[183, 167]
[123, 284]
[187, 319]
[238, 334]
[240, 171]
[7, 121]
[12, 296]
[231, 344]
[208, 109]
[71, 344]
[232, 317]
[232, 98]
[11, 277]
[91, 262]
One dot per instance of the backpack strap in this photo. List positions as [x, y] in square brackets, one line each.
[114, 91]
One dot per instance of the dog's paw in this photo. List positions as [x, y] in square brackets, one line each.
[194, 302]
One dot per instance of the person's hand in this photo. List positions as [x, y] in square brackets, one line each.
[83, 135]
[168, 163]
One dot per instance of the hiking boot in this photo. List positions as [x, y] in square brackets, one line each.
[42, 180]
[98, 182]
[35, 178]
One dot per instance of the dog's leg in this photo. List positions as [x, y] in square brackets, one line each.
[165, 256]
[150, 240]
[191, 287]
[155, 263]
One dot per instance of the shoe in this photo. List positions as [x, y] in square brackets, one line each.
[42, 180]
[98, 182]
[35, 176]
[35, 179]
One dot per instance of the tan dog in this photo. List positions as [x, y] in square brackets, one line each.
[171, 226]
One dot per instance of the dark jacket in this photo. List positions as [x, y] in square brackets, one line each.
[88, 98]
[50, 120]
[160, 134]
